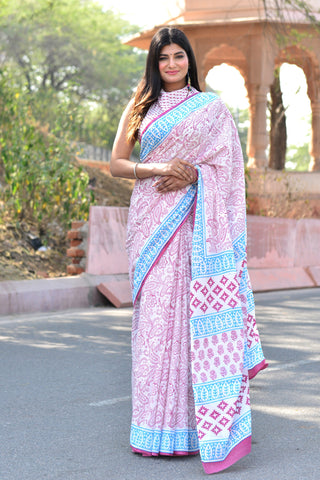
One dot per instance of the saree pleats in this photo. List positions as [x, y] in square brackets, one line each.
[163, 405]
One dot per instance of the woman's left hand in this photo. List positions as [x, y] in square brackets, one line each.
[170, 183]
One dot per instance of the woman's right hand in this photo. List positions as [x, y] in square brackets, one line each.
[179, 168]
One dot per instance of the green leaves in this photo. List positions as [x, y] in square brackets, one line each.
[70, 57]
[69, 45]
[67, 76]
[43, 182]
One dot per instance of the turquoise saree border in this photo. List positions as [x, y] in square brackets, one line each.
[161, 127]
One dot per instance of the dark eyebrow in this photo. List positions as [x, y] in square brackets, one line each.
[176, 53]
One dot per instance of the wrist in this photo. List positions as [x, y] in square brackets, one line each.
[156, 170]
[135, 173]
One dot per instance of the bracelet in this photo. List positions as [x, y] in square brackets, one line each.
[134, 171]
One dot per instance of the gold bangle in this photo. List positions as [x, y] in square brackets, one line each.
[134, 172]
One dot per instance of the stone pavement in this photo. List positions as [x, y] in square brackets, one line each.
[65, 397]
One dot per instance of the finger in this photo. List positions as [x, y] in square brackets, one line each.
[161, 186]
[184, 173]
[161, 180]
[157, 183]
[186, 163]
[165, 186]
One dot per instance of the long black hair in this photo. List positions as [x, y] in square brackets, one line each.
[150, 86]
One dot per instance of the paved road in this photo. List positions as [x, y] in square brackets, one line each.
[65, 397]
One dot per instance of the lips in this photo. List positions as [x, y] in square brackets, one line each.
[174, 72]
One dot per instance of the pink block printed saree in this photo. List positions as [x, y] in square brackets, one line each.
[195, 344]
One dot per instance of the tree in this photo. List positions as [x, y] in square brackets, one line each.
[43, 184]
[298, 158]
[278, 128]
[70, 52]
[67, 45]
[287, 11]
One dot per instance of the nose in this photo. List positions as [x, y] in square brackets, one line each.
[171, 61]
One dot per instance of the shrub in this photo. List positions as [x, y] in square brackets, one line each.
[43, 182]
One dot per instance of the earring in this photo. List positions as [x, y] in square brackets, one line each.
[188, 82]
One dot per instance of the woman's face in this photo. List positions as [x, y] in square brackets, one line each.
[173, 67]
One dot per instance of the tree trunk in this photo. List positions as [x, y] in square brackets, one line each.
[278, 129]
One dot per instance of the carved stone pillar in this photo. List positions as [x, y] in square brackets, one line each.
[315, 137]
[257, 134]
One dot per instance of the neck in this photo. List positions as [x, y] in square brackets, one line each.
[173, 88]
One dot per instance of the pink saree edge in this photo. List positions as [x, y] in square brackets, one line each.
[152, 454]
[241, 450]
[261, 366]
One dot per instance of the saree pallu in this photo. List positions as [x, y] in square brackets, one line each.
[195, 343]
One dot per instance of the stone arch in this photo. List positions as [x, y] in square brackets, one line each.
[227, 54]
[309, 62]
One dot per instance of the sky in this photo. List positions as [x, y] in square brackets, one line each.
[145, 13]
[227, 80]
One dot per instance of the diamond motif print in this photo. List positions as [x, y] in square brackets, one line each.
[216, 429]
[232, 303]
[224, 280]
[207, 425]
[231, 412]
[217, 306]
[204, 291]
[199, 420]
[204, 308]
[224, 296]
[196, 302]
[224, 421]
[196, 286]
[223, 405]
[210, 282]
[214, 414]
[231, 287]
[217, 290]
[203, 410]
[210, 299]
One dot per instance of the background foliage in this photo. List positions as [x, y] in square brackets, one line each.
[42, 181]
[65, 76]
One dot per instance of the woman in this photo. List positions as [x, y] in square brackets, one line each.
[194, 339]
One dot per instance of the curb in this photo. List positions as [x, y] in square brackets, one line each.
[53, 294]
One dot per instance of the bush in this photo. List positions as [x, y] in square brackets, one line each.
[43, 182]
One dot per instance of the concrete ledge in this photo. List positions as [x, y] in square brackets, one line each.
[47, 295]
[118, 293]
[314, 273]
[282, 254]
[267, 279]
